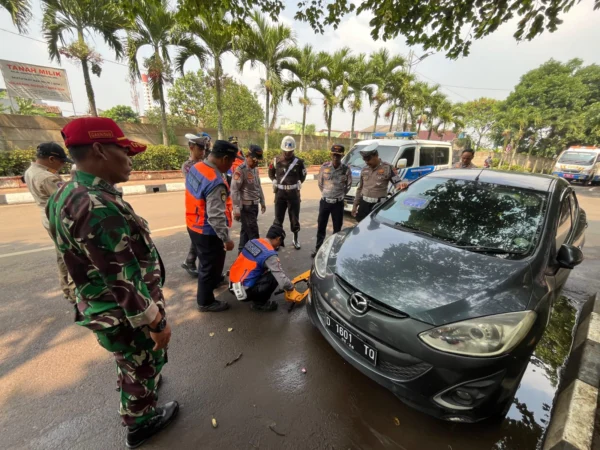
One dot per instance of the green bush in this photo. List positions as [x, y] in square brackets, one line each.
[514, 168]
[311, 157]
[161, 157]
[15, 162]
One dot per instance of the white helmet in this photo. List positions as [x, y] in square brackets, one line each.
[288, 144]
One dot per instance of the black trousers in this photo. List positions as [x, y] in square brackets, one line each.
[190, 260]
[336, 211]
[211, 254]
[249, 221]
[364, 209]
[290, 201]
[261, 292]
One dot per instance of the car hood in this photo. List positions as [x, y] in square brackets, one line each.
[427, 279]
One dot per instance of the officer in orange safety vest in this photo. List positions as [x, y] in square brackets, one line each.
[259, 270]
[209, 214]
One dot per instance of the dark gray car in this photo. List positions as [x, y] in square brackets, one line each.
[443, 292]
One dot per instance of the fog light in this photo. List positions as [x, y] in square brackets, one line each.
[464, 395]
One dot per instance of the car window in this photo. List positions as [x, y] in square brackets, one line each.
[434, 156]
[565, 222]
[583, 158]
[469, 213]
[409, 154]
[387, 153]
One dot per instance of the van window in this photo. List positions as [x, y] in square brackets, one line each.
[580, 158]
[434, 156]
[387, 153]
[409, 154]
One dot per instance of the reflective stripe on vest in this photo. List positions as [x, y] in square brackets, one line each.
[249, 265]
[201, 180]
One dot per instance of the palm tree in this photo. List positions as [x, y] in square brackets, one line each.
[383, 66]
[334, 86]
[217, 34]
[398, 91]
[435, 102]
[448, 113]
[20, 12]
[308, 68]
[155, 25]
[269, 45]
[81, 17]
[360, 81]
[421, 93]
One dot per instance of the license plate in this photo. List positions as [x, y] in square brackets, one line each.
[568, 175]
[352, 340]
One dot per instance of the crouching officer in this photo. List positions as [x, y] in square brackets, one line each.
[258, 269]
[288, 173]
[199, 145]
[247, 194]
[335, 180]
[373, 184]
[208, 210]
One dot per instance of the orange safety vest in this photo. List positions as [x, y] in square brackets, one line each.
[201, 180]
[250, 263]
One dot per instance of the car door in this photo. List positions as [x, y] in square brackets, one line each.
[569, 230]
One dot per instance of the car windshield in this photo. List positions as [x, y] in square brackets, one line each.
[479, 216]
[582, 158]
[386, 152]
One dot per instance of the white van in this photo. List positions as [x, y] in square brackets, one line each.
[579, 164]
[413, 158]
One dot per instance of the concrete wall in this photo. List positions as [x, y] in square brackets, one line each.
[22, 132]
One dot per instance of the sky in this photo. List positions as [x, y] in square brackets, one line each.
[492, 69]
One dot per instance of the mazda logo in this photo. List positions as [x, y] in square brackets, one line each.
[358, 303]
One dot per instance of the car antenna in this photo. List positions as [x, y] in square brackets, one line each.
[478, 175]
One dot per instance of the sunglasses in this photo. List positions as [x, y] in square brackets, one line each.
[367, 158]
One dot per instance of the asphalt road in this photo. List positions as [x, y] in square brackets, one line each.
[57, 386]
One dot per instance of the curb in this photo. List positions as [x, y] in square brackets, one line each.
[572, 419]
[134, 189]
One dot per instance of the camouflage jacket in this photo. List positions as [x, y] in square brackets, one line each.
[108, 252]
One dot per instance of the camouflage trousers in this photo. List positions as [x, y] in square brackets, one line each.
[65, 280]
[138, 369]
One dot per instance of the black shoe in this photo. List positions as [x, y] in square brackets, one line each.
[265, 307]
[216, 306]
[296, 242]
[191, 269]
[313, 253]
[163, 418]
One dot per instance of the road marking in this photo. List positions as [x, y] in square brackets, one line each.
[168, 228]
[26, 252]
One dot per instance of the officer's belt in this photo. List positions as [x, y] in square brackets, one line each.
[250, 202]
[333, 200]
[372, 199]
[287, 187]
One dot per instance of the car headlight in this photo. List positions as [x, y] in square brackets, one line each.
[484, 336]
[323, 255]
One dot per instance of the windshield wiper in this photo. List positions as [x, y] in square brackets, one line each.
[483, 249]
[414, 230]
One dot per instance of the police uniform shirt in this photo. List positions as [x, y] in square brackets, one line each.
[374, 182]
[245, 186]
[274, 265]
[42, 183]
[279, 167]
[215, 208]
[334, 183]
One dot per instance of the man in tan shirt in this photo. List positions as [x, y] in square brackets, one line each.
[42, 180]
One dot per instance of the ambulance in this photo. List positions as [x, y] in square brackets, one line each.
[579, 164]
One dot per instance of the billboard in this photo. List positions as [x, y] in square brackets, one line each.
[35, 82]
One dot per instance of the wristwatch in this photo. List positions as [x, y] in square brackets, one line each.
[160, 327]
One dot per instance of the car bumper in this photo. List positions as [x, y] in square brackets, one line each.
[577, 176]
[425, 379]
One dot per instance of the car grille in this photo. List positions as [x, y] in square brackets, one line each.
[395, 371]
[373, 304]
[571, 171]
[349, 199]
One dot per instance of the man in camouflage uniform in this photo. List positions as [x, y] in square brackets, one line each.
[199, 145]
[43, 180]
[247, 194]
[335, 180]
[116, 267]
[373, 184]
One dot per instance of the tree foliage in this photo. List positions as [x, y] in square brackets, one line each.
[193, 98]
[122, 113]
[20, 12]
[479, 116]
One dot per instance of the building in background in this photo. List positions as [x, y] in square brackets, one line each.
[148, 100]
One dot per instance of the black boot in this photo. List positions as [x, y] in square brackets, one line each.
[216, 306]
[164, 416]
[264, 307]
[295, 241]
[190, 268]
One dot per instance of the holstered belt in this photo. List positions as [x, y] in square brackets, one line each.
[372, 199]
[250, 202]
[333, 200]
[287, 187]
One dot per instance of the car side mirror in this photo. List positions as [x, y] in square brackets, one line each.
[569, 256]
[402, 163]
